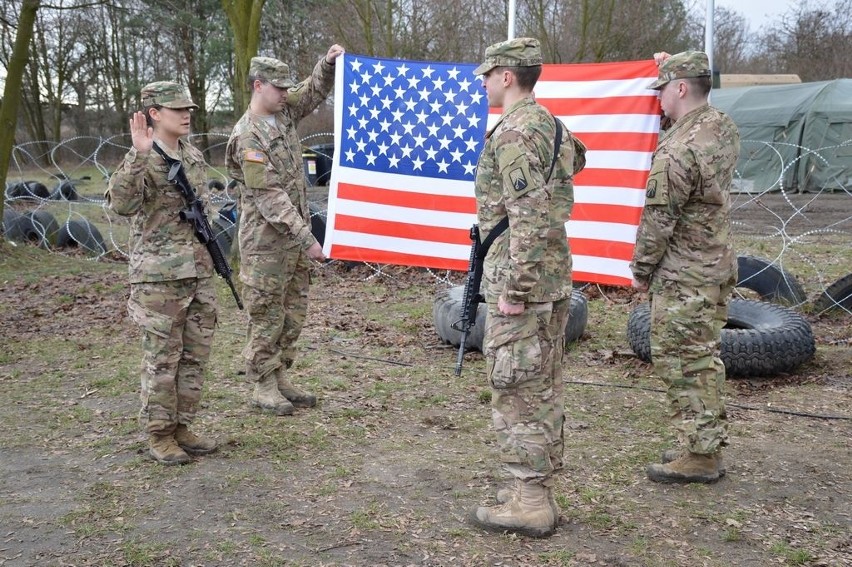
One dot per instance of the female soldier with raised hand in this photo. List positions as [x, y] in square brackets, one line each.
[172, 297]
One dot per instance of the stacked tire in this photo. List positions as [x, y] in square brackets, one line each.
[759, 339]
[447, 308]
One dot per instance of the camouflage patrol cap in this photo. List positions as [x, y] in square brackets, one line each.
[518, 52]
[684, 65]
[271, 70]
[167, 94]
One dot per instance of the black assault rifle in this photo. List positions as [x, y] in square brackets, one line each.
[472, 298]
[194, 214]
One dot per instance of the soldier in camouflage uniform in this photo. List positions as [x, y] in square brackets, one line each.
[264, 156]
[527, 284]
[684, 256]
[172, 297]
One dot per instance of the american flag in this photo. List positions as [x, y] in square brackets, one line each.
[408, 137]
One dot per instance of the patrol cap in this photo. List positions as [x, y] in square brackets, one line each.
[167, 94]
[271, 70]
[684, 65]
[518, 52]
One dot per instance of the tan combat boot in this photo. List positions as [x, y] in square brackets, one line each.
[192, 443]
[164, 449]
[689, 467]
[510, 492]
[268, 398]
[298, 397]
[670, 455]
[529, 513]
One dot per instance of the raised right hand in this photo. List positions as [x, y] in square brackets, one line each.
[141, 134]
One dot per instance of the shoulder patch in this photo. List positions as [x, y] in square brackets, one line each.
[255, 156]
[518, 179]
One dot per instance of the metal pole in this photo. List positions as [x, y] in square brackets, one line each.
[708, 32]
[511, 19]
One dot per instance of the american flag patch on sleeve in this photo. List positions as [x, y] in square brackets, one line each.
[255, 156]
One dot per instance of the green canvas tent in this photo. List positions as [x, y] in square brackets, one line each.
[794, 137]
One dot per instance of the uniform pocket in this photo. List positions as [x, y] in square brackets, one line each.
[514, 344]
[150, 321]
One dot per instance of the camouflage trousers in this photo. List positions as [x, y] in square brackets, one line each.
[276, 318]
[524, 366]
[177, 319]
[686, 326]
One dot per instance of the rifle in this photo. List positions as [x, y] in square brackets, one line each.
[194, 214]
[472, 298]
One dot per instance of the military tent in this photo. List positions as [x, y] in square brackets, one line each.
[794, 137]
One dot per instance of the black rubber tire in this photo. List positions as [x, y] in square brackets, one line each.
[836, 296]
[38, 227]
[81, 234]
[35, 189]
[28, 190]
[760, 339]
[46, 226]
[769, 281]
[318, 216]
[65, 191]
[446, 310]
[225, 232]
[15, 225]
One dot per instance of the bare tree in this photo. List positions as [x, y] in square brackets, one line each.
[813, 42]
[575, 31]
[12, 90]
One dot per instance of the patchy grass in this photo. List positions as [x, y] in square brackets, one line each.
[386, 468]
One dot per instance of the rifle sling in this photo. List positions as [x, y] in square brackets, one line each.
[501, 226]
[170, 161]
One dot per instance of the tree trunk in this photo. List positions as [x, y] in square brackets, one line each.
[12, 91]
[244, 18]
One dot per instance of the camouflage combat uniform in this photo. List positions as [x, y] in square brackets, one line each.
[172, 296]
[275, 232]
[530, 263]
[683, 248]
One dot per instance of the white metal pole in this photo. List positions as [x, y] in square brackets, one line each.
[708, 33]
[511, 19]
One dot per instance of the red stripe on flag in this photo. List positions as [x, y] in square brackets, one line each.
[402, 230]
[600, 71]
[605, 279]
[606, 213]
[629, 178]
[618, 141]
[609, 105]
[408, 199]
[601, 248]
[358, 254]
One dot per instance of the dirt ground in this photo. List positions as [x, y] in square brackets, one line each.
[386, 468]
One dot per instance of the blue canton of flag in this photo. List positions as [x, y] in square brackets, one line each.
[412, 118]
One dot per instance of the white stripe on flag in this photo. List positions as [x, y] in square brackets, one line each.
[596, 123]
[602, 231]
[609, 196]
[401, 245]
[593, 89]
[598, 265]
[395, 182]
[603, 159]
[411, 215]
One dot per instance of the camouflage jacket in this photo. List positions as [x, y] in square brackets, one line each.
[162, 246]
[266, 161]
[685, 231]
[531, 261]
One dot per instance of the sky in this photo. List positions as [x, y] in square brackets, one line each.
[758, 12]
